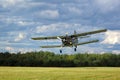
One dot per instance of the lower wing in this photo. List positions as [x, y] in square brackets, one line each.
[92, 41]
[53, 46]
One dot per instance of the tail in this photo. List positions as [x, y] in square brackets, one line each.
[75, 32]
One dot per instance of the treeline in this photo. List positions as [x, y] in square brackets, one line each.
[49, 59]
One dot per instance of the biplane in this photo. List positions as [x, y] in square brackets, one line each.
[70, 40]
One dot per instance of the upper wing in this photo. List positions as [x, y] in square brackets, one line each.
[89, 33]
[43, 38]
[75, 35]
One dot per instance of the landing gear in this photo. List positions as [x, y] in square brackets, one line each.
[60, 51]
[75, 49]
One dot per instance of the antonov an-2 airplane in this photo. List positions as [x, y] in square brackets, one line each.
[70, 40]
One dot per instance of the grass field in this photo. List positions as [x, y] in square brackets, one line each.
[50, 73]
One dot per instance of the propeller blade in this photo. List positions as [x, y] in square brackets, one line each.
[59, 38]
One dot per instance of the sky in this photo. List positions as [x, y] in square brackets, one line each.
[20, 20]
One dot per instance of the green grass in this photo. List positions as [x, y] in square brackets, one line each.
[51, 73]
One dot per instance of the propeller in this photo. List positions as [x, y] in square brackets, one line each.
[61, 45]
[59, 38]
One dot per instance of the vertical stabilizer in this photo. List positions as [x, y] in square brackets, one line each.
[75, 32]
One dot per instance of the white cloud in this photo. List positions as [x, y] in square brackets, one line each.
[46, 28]
[18, 20]
[112, 37]
[22, 23]
[20, 37]
[116, 51]
[107, 5]
[62, 28]
[9, 48]
[23, 50]
[75, 10]
[52, 28]
[41, 4]
[12, 19]
[25, 23]
[48, 14]
[9, 3]
[56, 27]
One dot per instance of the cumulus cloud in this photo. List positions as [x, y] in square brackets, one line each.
[12, 19]
[20, 37]
[48, 14]
[75, 10]
[23, 50]
[22, 23]
[116, 51]
[107, 5]
[46, 28]
[41, 4]
[26, 23]
[9, 48]
[9, 3]
[61, 26]
[55, 27]
[112, 37]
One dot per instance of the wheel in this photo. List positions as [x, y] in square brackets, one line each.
[60, 51]
[75, 49]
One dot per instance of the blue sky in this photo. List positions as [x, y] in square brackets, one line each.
[22, 19]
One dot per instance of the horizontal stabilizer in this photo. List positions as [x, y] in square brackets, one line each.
[87, 42]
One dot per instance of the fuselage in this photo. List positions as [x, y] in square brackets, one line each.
[69, 41]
